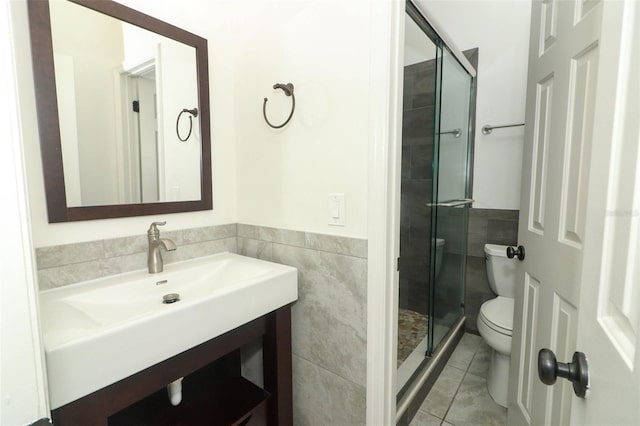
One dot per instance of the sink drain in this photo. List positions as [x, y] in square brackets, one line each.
[170, 298]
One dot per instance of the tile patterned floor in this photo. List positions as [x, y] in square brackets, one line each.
[459, 397]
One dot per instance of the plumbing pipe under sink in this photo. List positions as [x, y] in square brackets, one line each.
[174, 389]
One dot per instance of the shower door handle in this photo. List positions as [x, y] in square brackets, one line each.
[452, 203]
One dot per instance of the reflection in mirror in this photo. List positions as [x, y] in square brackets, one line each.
[120, 88]
[111, 83]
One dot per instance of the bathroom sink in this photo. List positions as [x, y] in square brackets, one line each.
[101, 331]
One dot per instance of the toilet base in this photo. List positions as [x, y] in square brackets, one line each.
[498, 377]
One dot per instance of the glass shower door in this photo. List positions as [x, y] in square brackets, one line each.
[434, 191]
[419, 123]
[451, 202]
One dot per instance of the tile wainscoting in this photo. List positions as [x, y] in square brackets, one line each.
[72, 263]
[328, 320]
[486, 226]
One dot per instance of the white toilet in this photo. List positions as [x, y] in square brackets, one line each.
[495, 321]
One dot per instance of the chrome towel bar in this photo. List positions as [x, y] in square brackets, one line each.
[488, 128]
[452, 203]
[455, 132]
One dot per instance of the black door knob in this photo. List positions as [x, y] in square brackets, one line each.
[577, 371]
[515, 252]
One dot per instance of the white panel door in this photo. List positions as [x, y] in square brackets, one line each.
[148, 139]
[580, 217]
[609, 320]
[563, 72]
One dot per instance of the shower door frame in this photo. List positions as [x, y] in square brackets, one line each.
[386, 32]
[468, 191]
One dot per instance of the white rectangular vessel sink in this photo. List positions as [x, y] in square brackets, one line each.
[101, 331]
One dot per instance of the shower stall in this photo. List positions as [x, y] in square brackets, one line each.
[437, 147]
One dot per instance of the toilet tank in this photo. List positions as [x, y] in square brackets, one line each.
[501, 270]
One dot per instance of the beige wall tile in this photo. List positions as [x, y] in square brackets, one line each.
[248, 231]
[206, 248]
[322, 398]
[126, 245]
[329, 318]
[209, 233]
[47, 257]
[336, 244]
[69, 274]
[282, 236]
[255, 248]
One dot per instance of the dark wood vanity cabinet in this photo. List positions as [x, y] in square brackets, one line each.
[214, 393]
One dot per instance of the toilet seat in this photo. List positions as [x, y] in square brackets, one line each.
[497, 314]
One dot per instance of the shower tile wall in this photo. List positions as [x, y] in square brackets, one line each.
[416, 184]
[492, 226]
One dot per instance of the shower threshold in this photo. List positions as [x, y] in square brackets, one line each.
[418, 384]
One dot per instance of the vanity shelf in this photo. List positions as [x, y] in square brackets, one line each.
[269, 406]
[230, 401]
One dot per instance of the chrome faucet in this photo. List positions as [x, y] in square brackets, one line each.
[154, 260]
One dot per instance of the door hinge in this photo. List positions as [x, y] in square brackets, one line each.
[398, 264]
[136, 106]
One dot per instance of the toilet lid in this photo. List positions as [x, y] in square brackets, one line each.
[498, 314]
[495, 250]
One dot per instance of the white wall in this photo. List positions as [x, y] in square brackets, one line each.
[178, 83]
[501, 30]
[176, 80]
[417, 46]
[454, 115]
[94, 56]
[66, 94]
[285, 176]
[215, 21]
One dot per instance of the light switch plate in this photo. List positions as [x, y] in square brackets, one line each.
[336, 209]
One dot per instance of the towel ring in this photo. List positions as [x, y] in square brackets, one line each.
[288, 90]
[193, 113]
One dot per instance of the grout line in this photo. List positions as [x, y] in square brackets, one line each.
[464, 376]
[446, 413]
[304, 245]
[106, 256]
[307, 248]
[327, 370]
[466, 372]
[475, 375]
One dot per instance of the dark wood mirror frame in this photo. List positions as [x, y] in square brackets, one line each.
[48, 120]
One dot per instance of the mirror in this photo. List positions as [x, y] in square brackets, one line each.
[123, 111]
